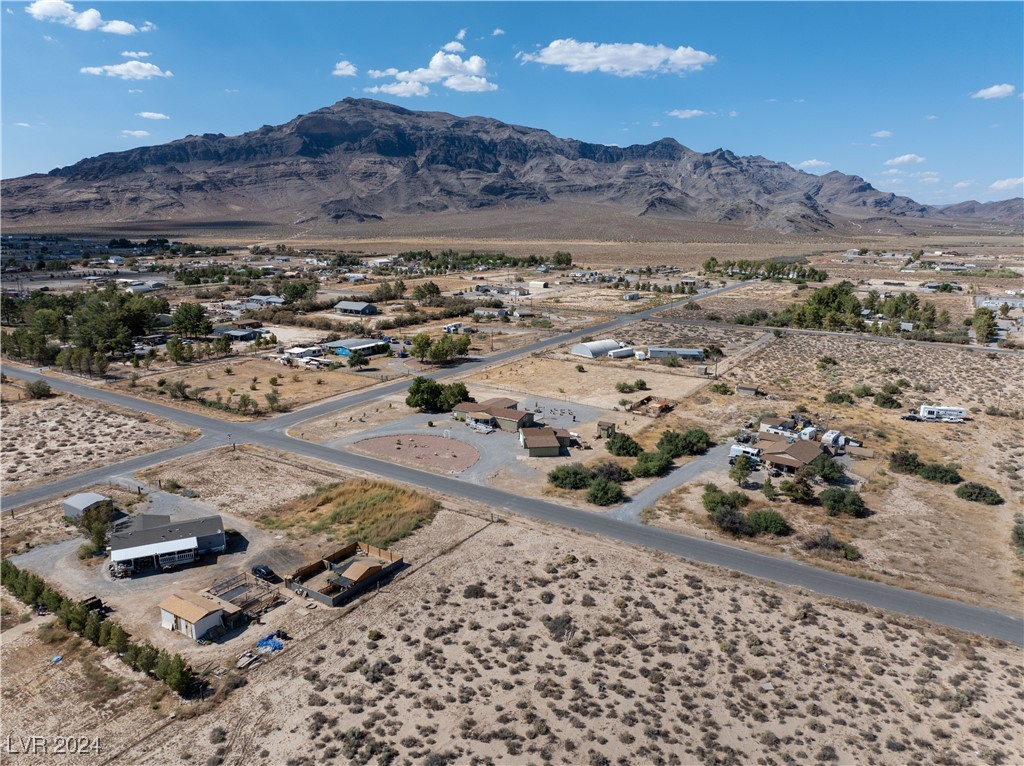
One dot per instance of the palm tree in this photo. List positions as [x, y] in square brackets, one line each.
[714, 353]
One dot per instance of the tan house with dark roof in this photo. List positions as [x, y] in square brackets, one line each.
[191, 614]
[543, 442]
[788, 456]
[498, 412]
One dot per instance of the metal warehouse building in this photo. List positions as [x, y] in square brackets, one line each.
[595, 348]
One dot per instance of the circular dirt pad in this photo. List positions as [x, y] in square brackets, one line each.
[429, 453]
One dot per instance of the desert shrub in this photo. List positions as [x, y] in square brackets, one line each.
[38, 389]
[625, 388]
[799, 489]
[475, 590]
[651, 464]
[978, 493]
[837, 501]
[768, 523]
[1017, 533]
[863, 391]
[640, 384]
[943, 474]
[827, 362]
[623, 445]
[887, 401]
[723, 509]
[612, 472]
[825, 542]
[604, 492]
[838, 397]
[694, 441]
[891, 388]
[721, 388]
[902, 461]
[571, 476]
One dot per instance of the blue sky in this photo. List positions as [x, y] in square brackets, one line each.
[922, 99]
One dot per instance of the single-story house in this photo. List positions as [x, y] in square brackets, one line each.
[242, 335]
[246, 324]
[191, 614]
[151, 540]
[76, 505]
[303, 352]
[365, 346]
[789, 456]
[523, 313]
[355, 307]
[498, 412]
[595, 349]
[693, 354]
[489, 312]
[257, 302]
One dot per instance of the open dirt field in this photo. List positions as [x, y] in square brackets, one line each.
[428, 453]
[520, 644]
[766, 296]
[920, 534]
[232, 378]
[47, 439]
[608, 299]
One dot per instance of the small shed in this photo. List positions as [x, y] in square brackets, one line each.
[538, 284]
[540, 442]
[748, 390]
[634, 296]
[605, 429]
[76, 505]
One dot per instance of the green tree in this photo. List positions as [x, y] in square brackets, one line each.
[424, 394]
[799, 489]
[651, 464]
[357, 360]
[118, 642]
[827, 469]
[984, 324]
[273, 400]
[425, 291]
[421, 344]
[623, 445]
[837, 501]
[978, 493]
[740, 470]
[190, 320]
[714, 354]
[91, 629]
[767, 522]
[442, 350]
[179, 675]
[100, 363]
[561, 260]
[694, 441]
[604, 492]
[38, 389]
[452, 395]
[770, 493]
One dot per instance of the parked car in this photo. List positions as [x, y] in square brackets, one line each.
[262, 572]
[915, 418]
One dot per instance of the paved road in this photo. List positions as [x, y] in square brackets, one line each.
[270, 433]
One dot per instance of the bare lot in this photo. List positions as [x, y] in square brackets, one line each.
[228, 380]
[47, 439]
[521, 644]
[609, 299]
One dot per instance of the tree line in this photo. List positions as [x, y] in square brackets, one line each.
[77, 617]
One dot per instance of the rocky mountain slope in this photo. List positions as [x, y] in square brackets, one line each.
[364, 160]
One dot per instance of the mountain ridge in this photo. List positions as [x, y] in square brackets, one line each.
[367, 160]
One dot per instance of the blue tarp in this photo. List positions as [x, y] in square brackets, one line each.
[270, 644]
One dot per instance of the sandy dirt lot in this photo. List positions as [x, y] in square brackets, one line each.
[428, 453]
[608, 299]
[766, 296]
[47, 439]
[515, 643]
[230, 379]
[920, 535]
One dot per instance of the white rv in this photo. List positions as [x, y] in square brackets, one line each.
[948, 414]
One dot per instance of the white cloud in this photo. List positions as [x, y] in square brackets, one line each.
[497, 31]
[10, 11]
[135, 90]
[46, 38]
[620, 59]
[686, 114]
[401, 89]
[892, 172]
[152, 116]
[931, 117]
[61, 12]
[963, 184]
[344, 69]
[927, 177]
[655, 124]
[467, 75]
[231, 90]
[129, 70]
[1007, 183]
[882, 134]
[461, 35]
[994, 91]
[734, 113]
[814, 164]
[136, 54]
[23, 124]
[905, 159]
[147, 26]
[134, 133]
[453, 47]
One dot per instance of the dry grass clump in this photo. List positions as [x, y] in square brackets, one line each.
[373, 512]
